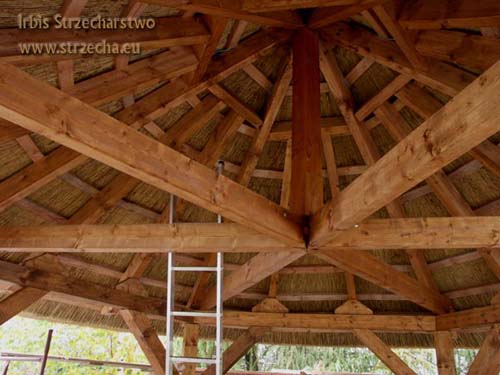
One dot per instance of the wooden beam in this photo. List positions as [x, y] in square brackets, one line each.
[439, 75]
[419, 233]
[306, 194]
[326, 322]
[428, 14]
[480, 316]
[18, 302]
[186, 237]
[273, 105]
[451, 132]
[145, 334]
[383, 352]
[443, 341]
[325, 16]
[104, 138]
[238, 349]
[487, 361]
[233, 10]
[256, 269]
[372, 269]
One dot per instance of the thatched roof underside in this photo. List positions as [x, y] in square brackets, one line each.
[479, 188]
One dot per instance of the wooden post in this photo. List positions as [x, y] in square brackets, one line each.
[46, 351]
[191, 333]
[443, 341]
[306, 195]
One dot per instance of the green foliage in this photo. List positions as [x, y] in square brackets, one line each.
[28, 336]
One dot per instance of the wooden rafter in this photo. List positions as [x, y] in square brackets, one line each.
[441, 76]
[256, 269]
[435, 143]
[367, 147]
[372, 269]
[273, 106]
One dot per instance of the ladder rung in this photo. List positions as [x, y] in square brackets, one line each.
[195, 269]
[193, 360]
[204, 314]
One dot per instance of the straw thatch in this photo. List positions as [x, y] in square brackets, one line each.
[478, 188]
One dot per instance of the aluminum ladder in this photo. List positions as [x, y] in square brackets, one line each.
[171, 313]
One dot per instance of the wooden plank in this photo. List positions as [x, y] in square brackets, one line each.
[104, 138]
[326, 322]
[370, 268]
[256, 269]
[145, 334]
[383, 352]
[185, 237]
[18, 302]
[325, 16]
[273, 105]
[454, 130]
[233, 10]
[441, 76]
[487, 360]
[306, 194]
[443, 341]
[429, 14]
[238, 349]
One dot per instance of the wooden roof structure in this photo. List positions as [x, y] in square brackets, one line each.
[361, 189]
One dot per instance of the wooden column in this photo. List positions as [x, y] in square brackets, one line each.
[191, 333]
[443, 341]
[306, 196]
